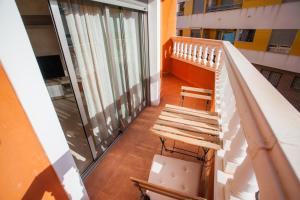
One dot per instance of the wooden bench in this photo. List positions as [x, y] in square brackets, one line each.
[198, 93]
[171, 178]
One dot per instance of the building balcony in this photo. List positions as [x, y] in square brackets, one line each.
[259, 138]
[229, 6]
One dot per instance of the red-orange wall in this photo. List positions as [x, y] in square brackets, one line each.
[168, 30]
[195, 76]
[25, 171]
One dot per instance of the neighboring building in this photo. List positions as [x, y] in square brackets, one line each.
[266, 32]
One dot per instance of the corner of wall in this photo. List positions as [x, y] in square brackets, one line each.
[295, 49]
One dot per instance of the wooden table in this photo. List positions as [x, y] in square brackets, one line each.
[195, 127]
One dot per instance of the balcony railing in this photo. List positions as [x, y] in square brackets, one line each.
[260, 128]
[231, 6]
[201, 52]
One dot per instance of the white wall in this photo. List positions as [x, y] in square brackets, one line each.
[275, 60]
[283, 16]
[154, 49]
[23, 72]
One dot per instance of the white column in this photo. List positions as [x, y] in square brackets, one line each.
[195, 53]
[190, 51]
[185, 51]
[211, 56]
[174, 47]
[236, 152]
[218, 58]
[205, 55]
[178, 49]
[199, 58]
[26, 79]
[182, 49]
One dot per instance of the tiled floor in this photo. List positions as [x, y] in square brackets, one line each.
[132, 154]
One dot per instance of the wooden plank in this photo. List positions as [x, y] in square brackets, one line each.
[197, 96]
[187, 127]
[195, 135]
[189, 117]
[189, 122]
[193, 89]
[191, 113]
[191, 110]
[163, 190]
[187, 140]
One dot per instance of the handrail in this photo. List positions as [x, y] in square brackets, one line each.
[271, 126]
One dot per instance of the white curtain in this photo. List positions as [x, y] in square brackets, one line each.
[133, 58]
[105, 42]
[87, 30]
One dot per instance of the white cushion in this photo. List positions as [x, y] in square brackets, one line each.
[179, 175]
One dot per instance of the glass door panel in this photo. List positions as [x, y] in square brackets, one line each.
[104, 46]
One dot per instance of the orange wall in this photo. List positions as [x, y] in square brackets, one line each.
[25, 170]
[195, 76]
[168, 30]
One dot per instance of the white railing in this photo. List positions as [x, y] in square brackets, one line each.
[260, 128]
[200, 52]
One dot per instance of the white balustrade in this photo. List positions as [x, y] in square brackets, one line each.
[245, 124]
[201, 54]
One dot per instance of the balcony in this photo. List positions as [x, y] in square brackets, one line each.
[228, 6]
[260, 138]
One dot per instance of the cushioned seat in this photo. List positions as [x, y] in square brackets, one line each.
[180, 175]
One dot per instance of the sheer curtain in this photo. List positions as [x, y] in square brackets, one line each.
[106, 47]
[87, 30]
[132, 42]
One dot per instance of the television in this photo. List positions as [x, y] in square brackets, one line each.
[51, 66]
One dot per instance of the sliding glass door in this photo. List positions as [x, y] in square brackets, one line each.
[105, 48]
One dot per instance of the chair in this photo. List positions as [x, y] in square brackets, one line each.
[170, 178]
[198, 93]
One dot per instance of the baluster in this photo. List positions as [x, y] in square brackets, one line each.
[195, 53]
[182, 50]
[185, 51]
[218, 58]
[174, 48]
[190, 52]
[200, 54]
[205, 55]
[178, 49]
[243, 185]
[211, 56]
